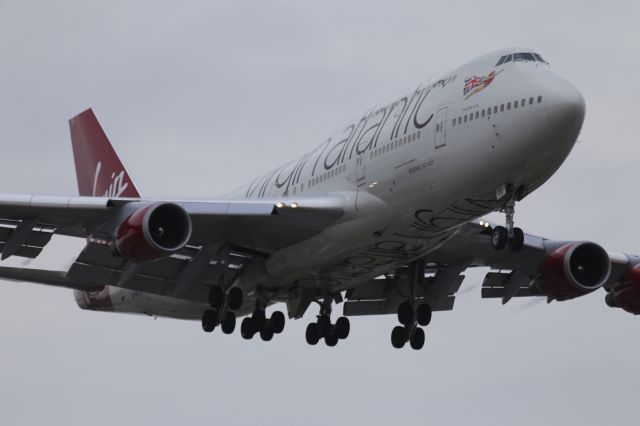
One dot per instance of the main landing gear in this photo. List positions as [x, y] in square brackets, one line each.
[222, 304]
[258, 323]
[412, 313]
[509, 235]
[323, 329]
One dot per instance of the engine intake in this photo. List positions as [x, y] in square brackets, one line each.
[626, 295]
[573, 270]
[152, 232]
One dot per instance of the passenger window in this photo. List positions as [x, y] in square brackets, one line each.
[477, 114]
[539, 99]
[515, 104]
[501, 107]
[489, 111]
[508, 106]
[530, 101]
[418, 135]
[495, 109]
[465, 118]
[470, 117]
[523, 102]
[482, 114]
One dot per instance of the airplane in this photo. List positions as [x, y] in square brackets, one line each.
[384, 217]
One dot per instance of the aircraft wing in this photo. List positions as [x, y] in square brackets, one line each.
[225, 234]
[523, 273]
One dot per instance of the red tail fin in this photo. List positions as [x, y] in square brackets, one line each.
[98, 169]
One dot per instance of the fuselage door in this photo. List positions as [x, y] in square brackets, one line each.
[441, 125]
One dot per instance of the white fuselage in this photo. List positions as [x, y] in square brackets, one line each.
[411, 172]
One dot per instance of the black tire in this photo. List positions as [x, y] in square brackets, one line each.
[277, 322]
[324, 325]
[247, 329]
[417, 339]
[499, 238]
[311, 334]
[209, 320]
[398, 337]
[259, 319]
[266, 334]
[331, 339]
[405, 313]
[216, 296]
[343, 327]
[517, 241]
[423, 314]
[228, 323]
[234, 298]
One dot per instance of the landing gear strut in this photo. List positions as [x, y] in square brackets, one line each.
[509, 235]
[323, 329]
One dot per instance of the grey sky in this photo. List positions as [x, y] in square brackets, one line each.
[198, 98]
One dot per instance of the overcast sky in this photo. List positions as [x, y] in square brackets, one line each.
[200, 96]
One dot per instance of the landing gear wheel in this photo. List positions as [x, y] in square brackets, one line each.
[423, 314]
[247, 329]
[209, 320]
[405, 313]
[499, 238]
[331, 339]
[517, 240]
[234, 298]
[266, 334]
[216, 296]
[342, 327]
[324, 325]
[228, 323]
[398, 337]
[311, 334]
[277, 322]
[417, 339]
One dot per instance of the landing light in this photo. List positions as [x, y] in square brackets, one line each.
[280, 205]
[294, 205]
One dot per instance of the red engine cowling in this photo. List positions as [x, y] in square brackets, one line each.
[573, 270]
[152, 232]
[627, 294]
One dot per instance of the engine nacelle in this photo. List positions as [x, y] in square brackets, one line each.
[573, 270]
[152, 232]
[626, 295]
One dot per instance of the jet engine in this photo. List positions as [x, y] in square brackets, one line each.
[573, 270]
[626, 295]
[152, 232]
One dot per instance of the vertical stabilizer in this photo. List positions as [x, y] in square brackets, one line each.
[99, 171]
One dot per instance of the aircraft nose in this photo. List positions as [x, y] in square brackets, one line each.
[565, 106]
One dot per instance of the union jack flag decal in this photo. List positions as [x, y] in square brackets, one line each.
[474, 84]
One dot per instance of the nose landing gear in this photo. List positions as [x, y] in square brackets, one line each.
[510, 235]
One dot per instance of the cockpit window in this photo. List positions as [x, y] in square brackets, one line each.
[539, 58]
[521, 57]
